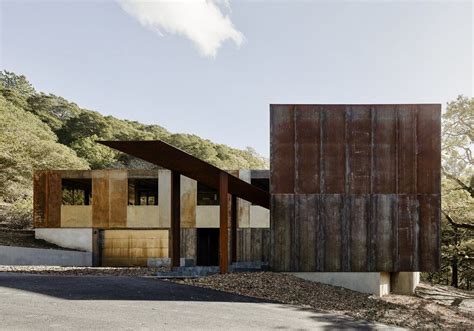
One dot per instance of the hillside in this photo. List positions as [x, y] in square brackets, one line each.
[41, 131]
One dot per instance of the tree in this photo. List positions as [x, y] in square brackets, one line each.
[85, 124]
[27, 144]
[98, 156]
[18, 83]
[458, 192]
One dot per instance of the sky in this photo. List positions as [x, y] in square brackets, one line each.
[212, 68]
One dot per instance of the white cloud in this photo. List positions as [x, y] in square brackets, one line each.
[202, 21]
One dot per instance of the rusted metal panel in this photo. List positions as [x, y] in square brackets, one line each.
[384, 206]
[47, 199]
[331, 217]
[118, 198]
[39, 199]
[384, 171]
[100, 199]
[333, 149]
[428, 149]
[175, 232]
[374, 159]
[358, 149]
[408, 232]
[282, 146]
[282, 225]
[307, 155]
[188, 202]
[54, 199]
[306, 222]
[407, 149]
[429, 232]
[359, 221]
[167, 156]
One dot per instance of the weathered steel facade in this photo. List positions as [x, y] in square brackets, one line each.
[355, 187]
[132, 234]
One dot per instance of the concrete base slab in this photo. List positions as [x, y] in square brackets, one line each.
[404, 282]
[73, 238]
[377, 283]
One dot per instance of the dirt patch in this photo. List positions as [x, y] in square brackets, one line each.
[83, 271]
[404, 311]
[25, 238]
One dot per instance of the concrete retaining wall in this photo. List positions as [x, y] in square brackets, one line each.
[12, 255]
[80, 238]
[377, 283]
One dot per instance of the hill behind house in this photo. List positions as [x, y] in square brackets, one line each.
[45, 131]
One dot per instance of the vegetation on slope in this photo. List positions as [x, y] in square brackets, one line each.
[44, 131]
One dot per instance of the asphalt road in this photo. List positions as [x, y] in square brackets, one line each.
[90, 302]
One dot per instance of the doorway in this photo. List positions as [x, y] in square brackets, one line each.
[207, 247]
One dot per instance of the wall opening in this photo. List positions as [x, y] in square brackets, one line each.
[261, 183]
[142, 191]
[207, 247]
[76, 191]
[207, 196]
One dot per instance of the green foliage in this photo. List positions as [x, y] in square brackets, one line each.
[457, 238]
[44, 131]
[97, 155]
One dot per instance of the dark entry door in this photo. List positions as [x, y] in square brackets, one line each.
[207, 247]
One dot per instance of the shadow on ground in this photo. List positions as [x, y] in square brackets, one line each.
[150, 289]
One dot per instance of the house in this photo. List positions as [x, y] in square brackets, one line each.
[124, 216]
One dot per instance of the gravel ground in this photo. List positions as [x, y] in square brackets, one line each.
[83, 271]
[404, 311]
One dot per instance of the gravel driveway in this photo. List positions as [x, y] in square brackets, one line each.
[90, 302]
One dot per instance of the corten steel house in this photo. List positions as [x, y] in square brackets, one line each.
[353, 188]
[124, 216]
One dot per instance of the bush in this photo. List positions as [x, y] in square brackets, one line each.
[19, 215]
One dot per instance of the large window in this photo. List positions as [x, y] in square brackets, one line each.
[76, 191]
[207, 196]
[143, 191]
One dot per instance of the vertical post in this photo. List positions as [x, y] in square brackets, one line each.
[223, 220]
[234, 221]
[175, 218]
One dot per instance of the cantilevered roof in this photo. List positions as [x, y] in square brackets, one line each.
[172, 158]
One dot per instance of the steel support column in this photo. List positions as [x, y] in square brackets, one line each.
[175, 218]
[223, 219]
[233, 220]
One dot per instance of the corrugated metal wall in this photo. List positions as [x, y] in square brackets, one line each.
[355, 187]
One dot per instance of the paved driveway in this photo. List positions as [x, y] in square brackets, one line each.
[89, 302]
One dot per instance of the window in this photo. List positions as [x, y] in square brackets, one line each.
[143, 191]
[76, 191]
[207, 196]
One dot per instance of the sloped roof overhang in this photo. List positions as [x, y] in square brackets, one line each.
[172, 158]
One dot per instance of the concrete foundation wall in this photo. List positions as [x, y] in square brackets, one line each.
[404, 282]
[80, 239]
[10, 255]
[377, 283]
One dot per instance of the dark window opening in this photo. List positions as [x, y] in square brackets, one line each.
[207, 196]
[207, 247]
[261, 183]
[76, 191]
[143, 191]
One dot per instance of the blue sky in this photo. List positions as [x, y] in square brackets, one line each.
[107, 58]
